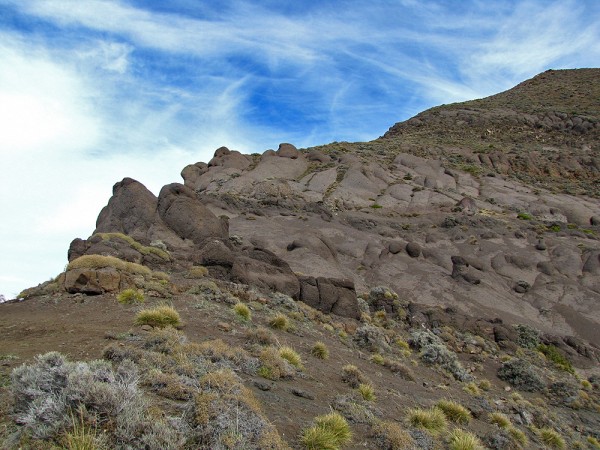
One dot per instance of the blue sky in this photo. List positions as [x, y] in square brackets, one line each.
[92, 91]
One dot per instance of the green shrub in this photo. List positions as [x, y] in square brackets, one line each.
[279, 322]
[242, 311]
[463, 440]
[553, 354]
[524, 216]
[161, 316]
[329, 432]
[320, 350]
[130, 296]
[454, 412]
[432, 419]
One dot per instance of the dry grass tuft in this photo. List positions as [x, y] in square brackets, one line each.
[463, 440]
[329, 432]
[129, 296]
[499, 419]
[197, 272]
[161, 316]
[100, 262]
[279, 322]
[551, 438]
[242, 311]
[391, 436]
[320, 350]
[291, 356]
[432, 419]
[367, 392]
[454, 412]
[353, 376]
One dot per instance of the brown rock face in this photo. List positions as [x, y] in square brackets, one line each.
[131, 210]
[329, 295]
[261, 268]
[95, 282]
[183, 213]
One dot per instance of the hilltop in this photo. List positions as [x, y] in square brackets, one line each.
[452, 263]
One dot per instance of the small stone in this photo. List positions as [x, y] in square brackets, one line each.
[507, 388]
[224, 326]
[541, 245]
[146, 328]
[263, 386]
[300, 393]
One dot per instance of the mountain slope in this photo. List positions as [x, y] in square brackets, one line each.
[452, 258]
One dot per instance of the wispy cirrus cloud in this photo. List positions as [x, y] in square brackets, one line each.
[94, 91]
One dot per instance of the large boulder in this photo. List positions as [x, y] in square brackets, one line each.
[95, 281]
[131, 210]
[182, 212]
[263, 269]
[329, 295]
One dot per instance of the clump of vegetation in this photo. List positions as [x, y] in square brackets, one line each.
[524, 216]
[528, 337]
[100, 261]
[279, 322]
[353, 376]
[391, 436]
[551, 438]
[454, 412]
[593, 441]
[371, 339]
[499, 419]
[472, 388]
[378, 359]
[273, 366]
[261, 336]
[367, 392]
[329, 432]
[432, 419]
[48, 393]
[129, 296]
[518, 436]
[434, 351]
[197, 272]
[521, 374]
[484, 385]
[143, 249]
[553, 354]
[242, 311]
[463, 440]
[320, 350]
[160, 316]
[291, 356]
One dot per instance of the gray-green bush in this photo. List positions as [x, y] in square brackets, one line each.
[47, 393]
[521, 374]
[434, 351]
